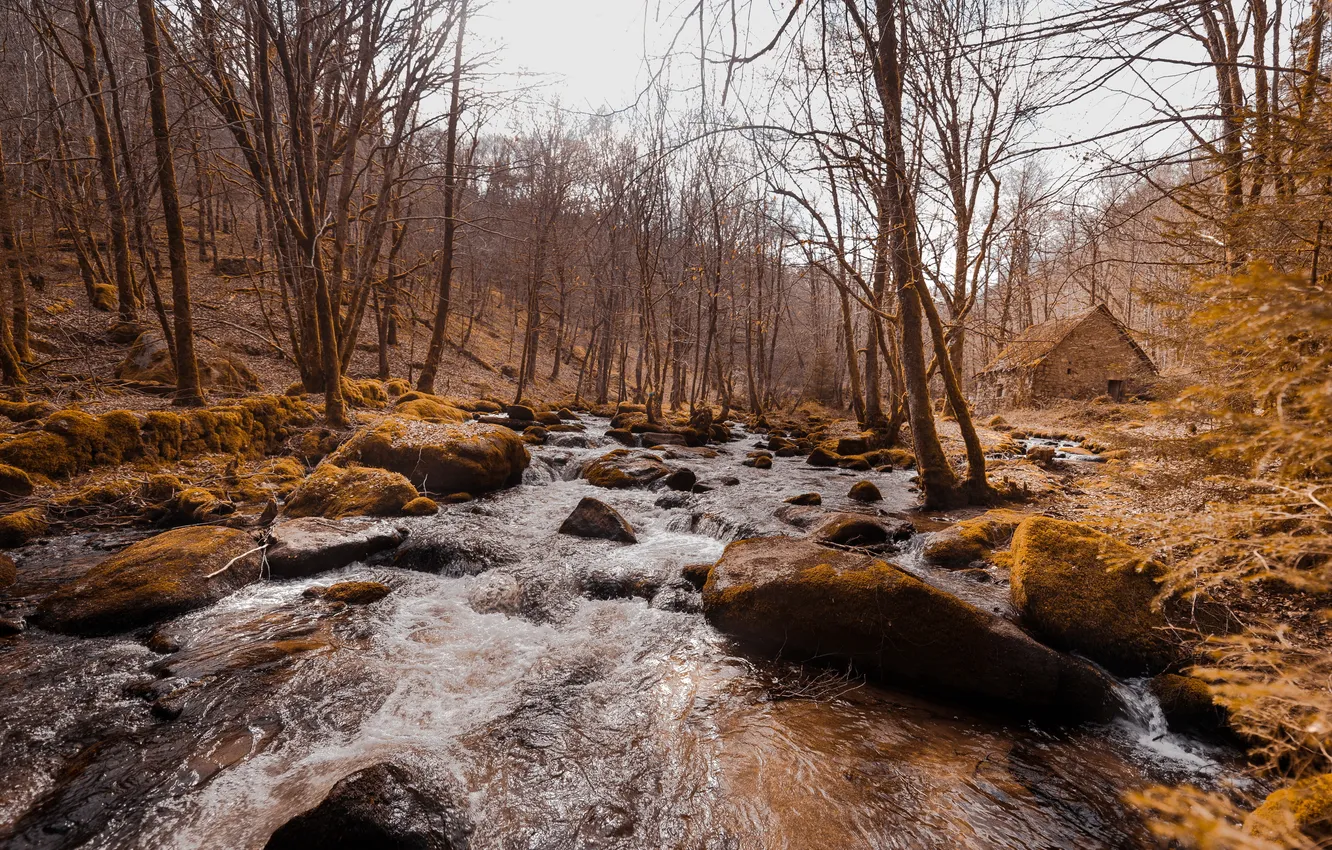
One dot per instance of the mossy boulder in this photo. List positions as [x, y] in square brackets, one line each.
[25, 411]
[469, 457]
[153, 580]
[351, 592]
[333, 491]
[149, 361]
[860, 531]
[974, 539]
[104, 297]
[14, 482]
[429, 408]
[622, 470]
[195, 505]
[421, 506]
[161, 487]
[21, 527]
[865, 491]
[794, 598]
[623, 436]
[822, 456]
[1087, 592]
[1188, 703]
[8, 571]
[1305, 807]
[275, 479]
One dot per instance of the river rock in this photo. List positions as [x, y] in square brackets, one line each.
[1086, 592]
[621, 470]
[8, 571]
[971, 540]
[21, 527]
[452, 551]
[1188, 704]
[466, 457]
[387, 806]
[821, 456]
[682, 479]
[496, 593]
[594, 518]
[801, 516]
[623, 436]
[310, 545]
[521, 412]
[659, 439]
[333, 492]
[153, 580]
[862, 531]
[804, 499]
[865, 491]
[350, 592]
[797, 599]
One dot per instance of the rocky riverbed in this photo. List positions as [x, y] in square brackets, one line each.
[496, 683]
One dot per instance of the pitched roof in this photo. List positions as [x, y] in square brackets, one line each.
[1037, 342]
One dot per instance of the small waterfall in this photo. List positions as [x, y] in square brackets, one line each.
[1144, 724]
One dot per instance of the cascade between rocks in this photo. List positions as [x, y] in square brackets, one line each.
[552, 691]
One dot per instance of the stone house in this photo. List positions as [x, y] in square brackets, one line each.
[1081, 357]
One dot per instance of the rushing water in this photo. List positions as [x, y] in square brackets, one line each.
[568, 721]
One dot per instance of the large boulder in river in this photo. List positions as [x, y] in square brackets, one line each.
[386, 806]
[861, 531]
[467, 457]
[1087, 592]
[333, 492]
[153, 580]
[594, 518]
[794, 598]
[620, 470]
[972, 540]
[303, 547]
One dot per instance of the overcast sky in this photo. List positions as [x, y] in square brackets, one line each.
[590, 51]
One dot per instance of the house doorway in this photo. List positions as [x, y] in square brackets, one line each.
[1115, 389]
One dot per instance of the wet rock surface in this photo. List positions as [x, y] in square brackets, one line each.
[804, 601]
[310, 545]
[153, 580]
[594, 518]
[383, 807]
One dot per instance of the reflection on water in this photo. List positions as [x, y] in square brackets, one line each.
[574, 723]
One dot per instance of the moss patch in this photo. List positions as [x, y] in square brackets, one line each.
[333, 491]
[1087, 592]
[153, 580]
[973, 539]
[21, 527]
[1305, 806]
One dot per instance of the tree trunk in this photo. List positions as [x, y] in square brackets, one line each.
[426, 382]
[188, 390]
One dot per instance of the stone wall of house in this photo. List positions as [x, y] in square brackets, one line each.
[1084, 364]
[996, 391]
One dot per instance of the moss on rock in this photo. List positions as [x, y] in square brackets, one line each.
[14, 482]
[973, 539]
[1087, 592]
[421, 506]
[800, 600]
[333, 491]
[351, 592]
[23, 526]
[1303, 807]
[153, 580]
[467, 457]
[429, 408]
[621, 470]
